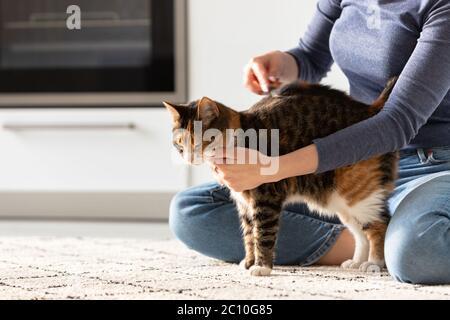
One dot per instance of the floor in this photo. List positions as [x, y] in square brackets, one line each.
[63, 260]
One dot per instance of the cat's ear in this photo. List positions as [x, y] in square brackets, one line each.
[207, 110]
[175, 110]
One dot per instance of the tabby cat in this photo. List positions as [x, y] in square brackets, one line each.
[357, 194]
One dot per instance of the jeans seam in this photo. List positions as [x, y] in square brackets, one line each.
[316, 220]
[214, 198]
[215, 189]
[446, 204]
[335, 231]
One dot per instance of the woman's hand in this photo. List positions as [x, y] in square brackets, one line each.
[242, 174]
[243, 169]
[270, 70]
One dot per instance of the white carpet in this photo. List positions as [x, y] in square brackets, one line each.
[84, 268]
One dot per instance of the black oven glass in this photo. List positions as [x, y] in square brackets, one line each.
[122, 46]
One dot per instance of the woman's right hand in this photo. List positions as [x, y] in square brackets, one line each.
[269, 70]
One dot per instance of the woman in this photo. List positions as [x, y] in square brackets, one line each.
[370, 44]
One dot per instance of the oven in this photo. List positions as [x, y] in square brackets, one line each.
[127, 53]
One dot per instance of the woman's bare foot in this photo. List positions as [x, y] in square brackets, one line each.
[341, 251]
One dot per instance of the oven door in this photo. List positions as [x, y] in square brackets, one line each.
[127, 53]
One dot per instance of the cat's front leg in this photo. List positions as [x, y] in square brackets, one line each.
[247, 232]
[361, 252]
[369, 245]
[376, 233]
[265, 229]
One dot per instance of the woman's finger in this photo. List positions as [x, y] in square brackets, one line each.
[235, 155]
[218, 168]
[250, 80]
[261, 75]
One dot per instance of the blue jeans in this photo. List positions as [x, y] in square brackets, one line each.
[417, 246]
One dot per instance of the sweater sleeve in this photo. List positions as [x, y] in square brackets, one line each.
[422, 86]
[313, 54]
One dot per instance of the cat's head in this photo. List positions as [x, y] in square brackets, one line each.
[199, 128]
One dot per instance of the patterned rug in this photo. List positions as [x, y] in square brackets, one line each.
[82, 268]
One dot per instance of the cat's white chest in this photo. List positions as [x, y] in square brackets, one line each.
[334, 205]
[239, 198]
[364, 211]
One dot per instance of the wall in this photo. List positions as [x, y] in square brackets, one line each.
[130, 173]
[225, 34]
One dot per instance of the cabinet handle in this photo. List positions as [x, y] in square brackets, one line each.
[68, 126]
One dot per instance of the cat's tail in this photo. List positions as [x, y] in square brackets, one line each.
[384, 96]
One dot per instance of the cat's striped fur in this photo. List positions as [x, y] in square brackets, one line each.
[302, 112]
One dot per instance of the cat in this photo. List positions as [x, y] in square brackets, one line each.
[357, 194]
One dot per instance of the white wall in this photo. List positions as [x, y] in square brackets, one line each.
[225, 34]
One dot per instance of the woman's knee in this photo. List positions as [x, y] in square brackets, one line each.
[177, 207]
[418, 252]
[207, 223]
[184, 206]
[401, 259]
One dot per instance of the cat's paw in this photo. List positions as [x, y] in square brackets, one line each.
[350, 264]
[371, 267]
[258, 271]
[244, 265]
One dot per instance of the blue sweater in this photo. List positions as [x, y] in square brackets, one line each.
[371, 41]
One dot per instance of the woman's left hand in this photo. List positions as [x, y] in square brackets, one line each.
[239, 173]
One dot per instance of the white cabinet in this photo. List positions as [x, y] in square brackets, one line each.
[88, 163]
